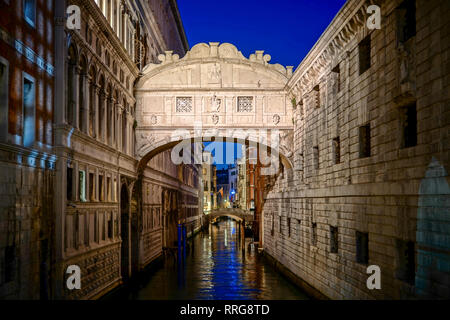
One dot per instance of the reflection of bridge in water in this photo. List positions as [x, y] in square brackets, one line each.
[233, 213]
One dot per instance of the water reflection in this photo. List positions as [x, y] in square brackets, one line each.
[216, 268]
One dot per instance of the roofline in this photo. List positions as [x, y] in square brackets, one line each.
[179, 22]
[341, 18]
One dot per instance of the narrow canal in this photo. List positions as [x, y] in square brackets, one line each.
[216, 267]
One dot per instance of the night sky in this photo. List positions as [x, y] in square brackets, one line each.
[285, 29]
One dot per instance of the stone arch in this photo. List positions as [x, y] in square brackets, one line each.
[220, 89]
[158, 145]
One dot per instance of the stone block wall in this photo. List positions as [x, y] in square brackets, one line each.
[390, 182]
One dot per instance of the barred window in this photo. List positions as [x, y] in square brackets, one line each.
[362, 247]
[336, 150]
[333, 239]
[408, 117]
[184, 104]
[364, 141]
[245, 104]
[364, 55]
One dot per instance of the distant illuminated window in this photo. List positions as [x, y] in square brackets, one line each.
[29, 11]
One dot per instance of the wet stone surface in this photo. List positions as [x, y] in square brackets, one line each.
[216, 268]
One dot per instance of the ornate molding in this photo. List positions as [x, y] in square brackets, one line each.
[222, 51]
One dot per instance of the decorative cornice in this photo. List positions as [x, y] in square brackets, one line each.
[106, 28]
[222, 51]
[330, 44]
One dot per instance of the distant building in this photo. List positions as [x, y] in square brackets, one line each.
[233, 181]
[223, 188]
[242, 180]
[208, 182]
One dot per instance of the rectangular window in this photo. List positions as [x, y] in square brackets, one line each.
[337, 78]
[10, 263]
[406, 261]
[184, 105]
[406, 20]
[314, 234]
[103, 222]
[4, 87]
[245, 104]
[82, 185]
[362, 247]
[364, 141]
[316, 157]
[408, 116]
[91, 187]
[289, 227]
[101, 189]
[279, 225]
[29, 110]
[69, 183]
[108, 189]
[114, 197]
[364, 48]
[336, 150]
[299, 229]
[272, 230]
[333, 239]
[29, 11]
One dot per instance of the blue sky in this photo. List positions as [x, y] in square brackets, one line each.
[285, 29]
[216, 149]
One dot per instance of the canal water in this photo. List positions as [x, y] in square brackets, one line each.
[215, 268]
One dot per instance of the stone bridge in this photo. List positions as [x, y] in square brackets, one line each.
[234, 213]
[213, 92]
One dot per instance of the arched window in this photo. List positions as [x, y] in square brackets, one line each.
[82, 94]
[124, 127]
[115, 119]
[101, 108]
[92, 95]
[109, 115]
[70, 90]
